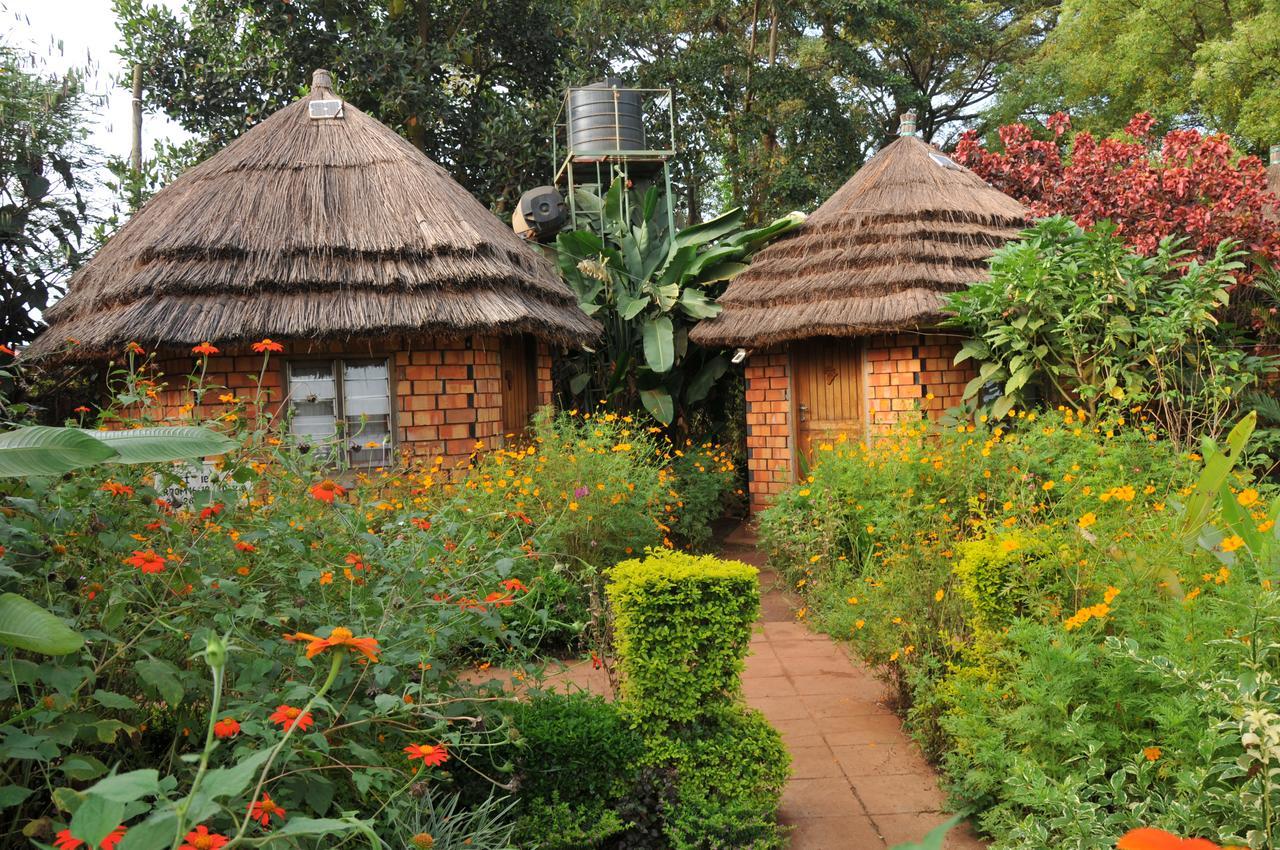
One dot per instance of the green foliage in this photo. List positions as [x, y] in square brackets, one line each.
[42, 450]
[1072, 612]
[577, 759]
[730, 768]
[192, 587]
[702, 478]
[682, 625]
[649, 287]
[464, 85]
[1188, 63]
[1076, 314]
[43, 155]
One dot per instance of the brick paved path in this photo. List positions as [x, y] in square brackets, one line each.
[859, 781]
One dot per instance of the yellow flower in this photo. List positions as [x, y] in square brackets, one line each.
[573, 506]
[1151, 753]
[859, 624]
[1232, 543]
[1087, 520]
[937, 597]
[1247, 497]
[1008, 545]
[1048, 485]
[852, 600]
[1110, 595]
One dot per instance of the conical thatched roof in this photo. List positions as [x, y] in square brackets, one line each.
[318, 228]
[877, 256]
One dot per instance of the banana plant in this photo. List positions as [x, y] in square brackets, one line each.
[648, 287]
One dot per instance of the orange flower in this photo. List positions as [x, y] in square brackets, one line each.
[326, 578]
[262, 810]
[1151, 753]
[1147, 838]
[327, 490]
[267, 345]
[339, 636]
[514, 584]
[201, 838]
[66, 841]
[421, 523]
[245, 547]
[134, 348]
[4, 349]
[204, 348]
[227, 727]
[287, 717]
[82, 409]
[116, 489]
[356, 561]
[499, 599]
[148, 561]
[211, 511]
[431, 755]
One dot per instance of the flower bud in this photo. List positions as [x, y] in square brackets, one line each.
[215, 653]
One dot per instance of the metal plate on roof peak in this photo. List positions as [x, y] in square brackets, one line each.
[325, 109]
[945, 161]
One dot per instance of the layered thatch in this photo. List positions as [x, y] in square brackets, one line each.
[316, 228]
[879, 255]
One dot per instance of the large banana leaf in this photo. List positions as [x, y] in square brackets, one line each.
[41, 450]
[157, 445]
[702, 382]
[708, 231]
[659, 404]
[659, 344]
[25, 625]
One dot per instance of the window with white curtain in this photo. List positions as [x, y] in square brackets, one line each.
[342, 408]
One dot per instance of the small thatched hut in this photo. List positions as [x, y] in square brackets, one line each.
[411, 317]
[840, 314]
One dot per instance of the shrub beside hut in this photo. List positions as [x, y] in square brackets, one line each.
[411, 318]
[840, 317]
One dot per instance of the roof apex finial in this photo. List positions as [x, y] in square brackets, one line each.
[907, 125]
[321, 79]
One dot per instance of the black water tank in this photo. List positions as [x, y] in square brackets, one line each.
[605, 118]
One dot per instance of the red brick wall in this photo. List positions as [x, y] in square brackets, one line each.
[911, 372]
[770, 446]
[448, 392]
[902, 374]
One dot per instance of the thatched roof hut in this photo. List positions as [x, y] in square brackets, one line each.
[322, 228]
[878, 256]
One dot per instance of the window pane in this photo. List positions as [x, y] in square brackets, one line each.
[365, 388]
[366, 410]
[313, 399]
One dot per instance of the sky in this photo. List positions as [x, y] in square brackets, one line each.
[81, 33]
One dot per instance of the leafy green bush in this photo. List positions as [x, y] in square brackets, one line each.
[730, 768]
[682, 626]
[577, 758]
[1080, 619]
[1076, 315]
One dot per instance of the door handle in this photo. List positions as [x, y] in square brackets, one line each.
[804, 412]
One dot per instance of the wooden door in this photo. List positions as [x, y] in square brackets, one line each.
[519, 382]
[827, 381]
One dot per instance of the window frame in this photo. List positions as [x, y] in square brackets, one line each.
[337, 365]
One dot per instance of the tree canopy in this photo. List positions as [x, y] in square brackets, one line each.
[1190, 64]
[43, 157]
